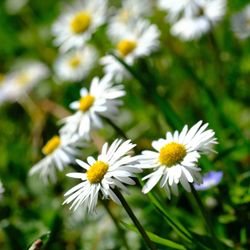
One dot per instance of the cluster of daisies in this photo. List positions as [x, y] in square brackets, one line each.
[173, 159]
[130, 34]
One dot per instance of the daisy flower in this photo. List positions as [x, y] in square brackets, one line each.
[1, 190]
[176, 157]
[129, 12]
[100, 100]
[193, 18]
[113, 168]
[241, 23]
[133, 41]
[176, 8]
[210, 179]
[75, 65]
[59, 152]
[78, 23]
[22, 80]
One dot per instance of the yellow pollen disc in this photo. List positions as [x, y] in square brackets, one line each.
[22, 79]
[125, 47]
[80, 22]
[74, 62]
[97, 171]
[51, 145]
[172, 153]
[86, 102]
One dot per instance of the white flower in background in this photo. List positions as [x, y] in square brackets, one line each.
[113, 168]
[101, 100]
[241, 23]
[76, 64]
[59, 152]
[175, 8]
[1, 190]
[14, 6]
[133, 41]
[22, 80]
[176, 157]
[129, 12]
[77, 24]
[193, 18]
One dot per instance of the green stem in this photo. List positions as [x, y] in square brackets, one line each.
[118, 227]
[169, 113]
[118, 130]
[206, 217]
[134, 219]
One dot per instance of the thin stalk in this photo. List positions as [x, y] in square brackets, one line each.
[216, 52]
[167, 110]
[118, 130]
[134, 219]
[118, 227]
[206, 217]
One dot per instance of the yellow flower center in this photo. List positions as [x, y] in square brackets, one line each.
[125, 47]
[97, 171]
[172, 153]
[74, 62]
[23, 79]
[51, 145]
[86, 102]
[80, 22]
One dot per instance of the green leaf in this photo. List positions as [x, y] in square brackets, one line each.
[157, 239]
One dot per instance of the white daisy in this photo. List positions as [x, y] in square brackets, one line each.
[133, 41]
[176, 157]
[113, 168]
[59, 152]
[192, 18]
[100, 100]
[1, 190]
[176, 8]
[129, 12]
[77, 24]
[22, 80]
[241, 23]
[75, 65]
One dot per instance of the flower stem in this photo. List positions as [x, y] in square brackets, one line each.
[134, 219]
[206, 218]
[115, 127]
[118, 227]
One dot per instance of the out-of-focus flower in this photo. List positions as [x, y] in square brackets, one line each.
[1, 190]
[210, 179]
[114, 167]
[59, 152]
[133, 41]
[175, 8]
[14, 6]
[129, 12]
[193, 18]
[101, 100]
[241, 23]
[75, 65]
[77, 24]
[176, 158]
[22, 80]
